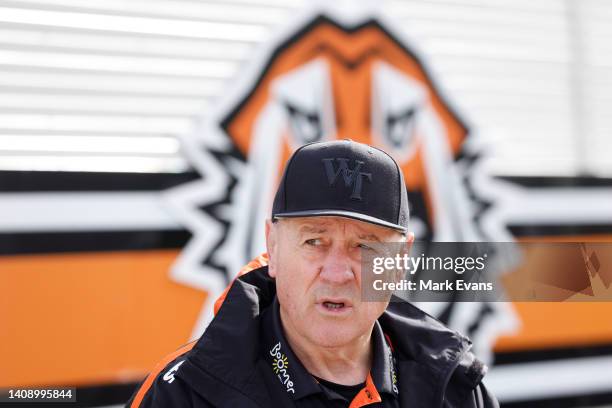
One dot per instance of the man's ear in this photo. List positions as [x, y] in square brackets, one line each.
[271, 241]
[409, 240]
[405, 249]
[401, 274]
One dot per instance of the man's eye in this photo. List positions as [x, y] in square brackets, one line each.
[313, 242]
[365, 247]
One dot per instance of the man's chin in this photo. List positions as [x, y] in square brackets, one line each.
[333, 335]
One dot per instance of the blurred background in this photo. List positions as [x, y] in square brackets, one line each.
[130, 157]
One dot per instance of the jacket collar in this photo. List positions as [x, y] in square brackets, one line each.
[436, 363]
[429, 353]
[226, 355]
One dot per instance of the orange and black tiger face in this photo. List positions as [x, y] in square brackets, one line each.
[332, 82]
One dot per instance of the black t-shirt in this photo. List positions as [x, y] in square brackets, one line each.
[347, 391]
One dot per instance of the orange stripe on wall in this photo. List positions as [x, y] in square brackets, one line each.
[90, 317]
[568, 238]
[109, 317]
[571, 324]
[552, 325]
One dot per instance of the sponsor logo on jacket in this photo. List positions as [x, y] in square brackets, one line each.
[169, 376]
[280, 364]
[393, 374]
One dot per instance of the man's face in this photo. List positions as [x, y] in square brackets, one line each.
[316, 264]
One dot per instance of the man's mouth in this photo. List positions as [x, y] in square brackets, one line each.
[333, 305]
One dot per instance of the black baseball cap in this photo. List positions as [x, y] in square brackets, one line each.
[346, 179]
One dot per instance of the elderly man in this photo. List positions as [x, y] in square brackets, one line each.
[293, 329]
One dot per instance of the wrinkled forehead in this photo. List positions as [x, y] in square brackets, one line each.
[340, 227]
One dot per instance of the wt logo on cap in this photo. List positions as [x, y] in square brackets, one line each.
[352, 177]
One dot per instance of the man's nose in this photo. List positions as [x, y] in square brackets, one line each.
[337, 267]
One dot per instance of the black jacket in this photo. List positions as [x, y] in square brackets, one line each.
[226, 367]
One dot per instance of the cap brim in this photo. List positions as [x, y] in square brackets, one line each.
[340, 213]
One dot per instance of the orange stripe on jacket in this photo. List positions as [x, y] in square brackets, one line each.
[158, 368]
[261, 260]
